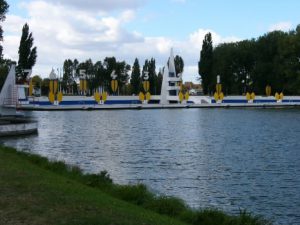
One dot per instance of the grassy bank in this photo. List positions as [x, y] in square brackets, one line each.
[36, 191]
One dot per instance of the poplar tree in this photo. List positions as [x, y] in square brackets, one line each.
[3, 10]
[27, 53]
[135, 80]
[205, 65]
[179, 64]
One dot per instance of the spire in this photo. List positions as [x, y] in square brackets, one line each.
[52, 75]
[172, 63]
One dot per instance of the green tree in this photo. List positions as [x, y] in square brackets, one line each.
[4, 63]
[179, 64]
[205, 65]
[121, 69]
[4, 69]
[68, 75]
[45, 86]
[135, 80]
[150, 67]
[3, 10]
[27, 53]
[37, 80]
[158, 82]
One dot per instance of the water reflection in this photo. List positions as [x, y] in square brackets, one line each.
[225, 158]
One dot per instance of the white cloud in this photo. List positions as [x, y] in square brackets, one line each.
[98, 5]
[61, 32]
[198, 36]
[283, 26]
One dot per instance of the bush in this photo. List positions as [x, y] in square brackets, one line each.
[97, 180]
[170, 206]
[137, 194]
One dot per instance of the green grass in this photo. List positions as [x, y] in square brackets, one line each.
[34, 190]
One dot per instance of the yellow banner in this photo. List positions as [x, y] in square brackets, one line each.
[281, 95]
[51, 97]
[148, 96]
[104, 96]
[180, 96]
[30, 87]
[59, 96]
[114, 85]
[268, 90]
[97, 97]
[141, 96]
[85, 85]
[146, 85]
[51, 86]
[218, 88]
[187, 95]
[81, 85]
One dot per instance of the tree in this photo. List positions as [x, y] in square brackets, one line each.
[68, 78]
[27, 53]
[158, 82]
[4, 69]
[205, 65]
[3, 10]
[135, 80]
[150, 67]
[179, 64]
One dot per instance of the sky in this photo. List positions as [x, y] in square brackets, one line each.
[129, 29]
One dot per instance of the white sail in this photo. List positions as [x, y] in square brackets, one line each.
[8, 95]
[170, 83]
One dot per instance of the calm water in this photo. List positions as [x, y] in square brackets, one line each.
[226, 158]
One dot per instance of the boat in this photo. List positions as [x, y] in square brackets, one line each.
[12, 123]
[14, 126]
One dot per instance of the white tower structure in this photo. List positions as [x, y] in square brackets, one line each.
[170, 83]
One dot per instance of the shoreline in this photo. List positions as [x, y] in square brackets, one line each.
[34, 181]
[154, 106]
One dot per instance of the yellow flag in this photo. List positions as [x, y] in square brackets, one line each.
[248, 96]
[114, 85]
[221, 96]
[141, 96]
[268, 90]
[186, 96]
[81, 85]
[59, 96]
[252, 95]
[84, 85]
[51, 86]
[180, 96]
[104, 96]
[148, 96]
[97, 96]
[146, 85]
[51, 97]
[216, 96]
[30, 87]
[281, 95]
[218, 88]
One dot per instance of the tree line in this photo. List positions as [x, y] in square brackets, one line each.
[250, 65]
[98, 75]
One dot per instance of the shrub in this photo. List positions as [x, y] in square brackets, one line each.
[97, 180]
[170, 206]
[137, 194]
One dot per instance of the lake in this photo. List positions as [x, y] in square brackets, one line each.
[230, 159]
